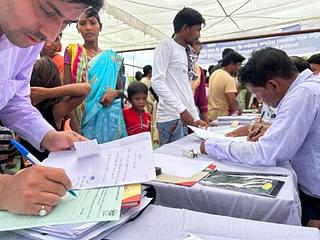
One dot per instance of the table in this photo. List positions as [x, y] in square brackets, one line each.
[285, 208]
[162, 223]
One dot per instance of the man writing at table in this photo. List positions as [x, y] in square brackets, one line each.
[294, 134]
[24, 26]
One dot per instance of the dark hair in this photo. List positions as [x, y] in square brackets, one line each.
[265, 64]
[226, 51]
[301, 64]
[138, 76]
[147, 69]
[189, 17]
[211, 69]
[314, 59]
[96, 4]
[92, 12]
[45, 74]
[135, 88]
[232, 58]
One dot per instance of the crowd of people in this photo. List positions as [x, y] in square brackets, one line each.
[56, 100]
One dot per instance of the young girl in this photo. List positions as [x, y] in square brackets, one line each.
[136, 119]
[100, 116]
[54, 101]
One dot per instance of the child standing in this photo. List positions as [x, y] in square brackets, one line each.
[136, 119]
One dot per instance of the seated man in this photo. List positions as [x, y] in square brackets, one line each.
[295, 132]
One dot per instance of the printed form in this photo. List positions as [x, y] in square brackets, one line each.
[93, 205]
[125, 161]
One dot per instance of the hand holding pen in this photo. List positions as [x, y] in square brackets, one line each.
[34, 190]
[258, 129]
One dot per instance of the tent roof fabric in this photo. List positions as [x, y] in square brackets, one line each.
[141, 24]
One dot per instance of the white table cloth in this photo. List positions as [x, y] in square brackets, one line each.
[285, 208]
[162, 223]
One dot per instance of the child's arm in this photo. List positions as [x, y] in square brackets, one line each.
[73, 95]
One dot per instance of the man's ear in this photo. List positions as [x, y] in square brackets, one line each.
[273, 85]
[185, 28]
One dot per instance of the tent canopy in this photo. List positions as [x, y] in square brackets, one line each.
[141, 24]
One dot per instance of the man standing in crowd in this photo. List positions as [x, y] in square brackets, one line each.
[223, 88]
[293, 136]
[24, 26]
[171, 68]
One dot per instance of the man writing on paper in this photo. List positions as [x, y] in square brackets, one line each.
[295, 132]
[24, 26]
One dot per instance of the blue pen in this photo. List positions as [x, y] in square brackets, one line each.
[24, 152]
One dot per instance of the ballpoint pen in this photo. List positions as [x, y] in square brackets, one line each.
[24, 152]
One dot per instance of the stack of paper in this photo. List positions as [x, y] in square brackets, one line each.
[242, 120]
[86, 231]
[215, 132]
[180, 171]
[125, 161]
[98, 172]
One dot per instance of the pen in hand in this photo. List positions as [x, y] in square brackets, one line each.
[34, 161]
[262, 115]
[253, 135]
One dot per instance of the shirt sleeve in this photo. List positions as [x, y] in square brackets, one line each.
[281, 141]
[231, 86]
[161, 60]
[19, 114]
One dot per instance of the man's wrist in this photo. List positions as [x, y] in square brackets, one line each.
[203, 147]
[4, 178]
[47, 139]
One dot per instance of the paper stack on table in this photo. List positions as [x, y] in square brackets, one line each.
[98, 172]
[216, 132]
[125, 161]
[180, 171]
[86, 231]
[242, 120]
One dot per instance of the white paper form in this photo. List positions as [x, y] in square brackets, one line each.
[217, 132]
[180, 167]
[124, 161]
[87, 148]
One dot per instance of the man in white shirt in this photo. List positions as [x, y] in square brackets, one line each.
[171, 81]
[295, 132]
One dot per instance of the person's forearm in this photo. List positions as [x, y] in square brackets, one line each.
[71, 90]
[67, 75]
[20, 116]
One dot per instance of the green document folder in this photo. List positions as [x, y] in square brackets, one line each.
[93, 205]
